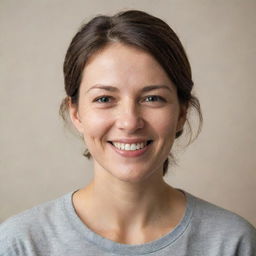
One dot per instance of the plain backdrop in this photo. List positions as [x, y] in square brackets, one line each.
[40, 159]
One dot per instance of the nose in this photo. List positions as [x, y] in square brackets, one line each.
[129, 118]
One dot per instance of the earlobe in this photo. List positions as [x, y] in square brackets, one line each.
[74, 116]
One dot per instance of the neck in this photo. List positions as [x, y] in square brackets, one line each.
[111, 204]
[121, 200]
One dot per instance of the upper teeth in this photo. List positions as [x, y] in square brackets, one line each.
[133, 146]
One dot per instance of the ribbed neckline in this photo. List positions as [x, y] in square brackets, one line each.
[125, 249]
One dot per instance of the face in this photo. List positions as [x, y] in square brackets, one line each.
[128, 113]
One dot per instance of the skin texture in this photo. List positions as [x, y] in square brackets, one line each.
[128, 200]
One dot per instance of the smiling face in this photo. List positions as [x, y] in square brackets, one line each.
[128, 113]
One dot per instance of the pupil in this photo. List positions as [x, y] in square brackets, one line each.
[104, 99]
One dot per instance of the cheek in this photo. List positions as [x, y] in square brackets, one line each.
[165, 124]
[95, 125]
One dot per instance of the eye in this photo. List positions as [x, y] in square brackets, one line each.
[103, 99]
[153, 98]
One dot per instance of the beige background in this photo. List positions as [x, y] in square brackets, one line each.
[40, 160]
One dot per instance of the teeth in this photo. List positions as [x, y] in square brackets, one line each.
[129, 147]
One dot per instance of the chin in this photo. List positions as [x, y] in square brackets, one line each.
[128, 172]
[132, 176]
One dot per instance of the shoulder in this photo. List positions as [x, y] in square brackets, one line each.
[37, 214]
[18, 233]
[223, 226]
[212, 214]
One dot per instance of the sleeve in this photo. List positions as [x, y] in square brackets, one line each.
[14, 239]
[247, 243]
[8, 245]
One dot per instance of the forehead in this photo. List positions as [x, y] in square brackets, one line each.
[122, 65]
[117, 51]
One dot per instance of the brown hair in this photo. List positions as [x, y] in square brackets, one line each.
[138, 29]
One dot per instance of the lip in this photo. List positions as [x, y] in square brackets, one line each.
[135, 153]
[130, 141]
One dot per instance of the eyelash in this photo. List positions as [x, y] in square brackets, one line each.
[102, 97]
[159, 99]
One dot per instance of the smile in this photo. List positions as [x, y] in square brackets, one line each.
[130, 146]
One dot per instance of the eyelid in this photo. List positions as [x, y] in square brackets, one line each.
[159, 97]
[102, 96]
[97, 99]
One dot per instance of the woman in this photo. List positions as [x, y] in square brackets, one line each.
[128, 84]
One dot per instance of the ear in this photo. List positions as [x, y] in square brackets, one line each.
[182, 117]
[74, 116]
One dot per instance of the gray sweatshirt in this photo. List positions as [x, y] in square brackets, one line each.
[54, 229]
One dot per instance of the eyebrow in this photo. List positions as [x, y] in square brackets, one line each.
[103, 87]
[144, 89]
[155, 87]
